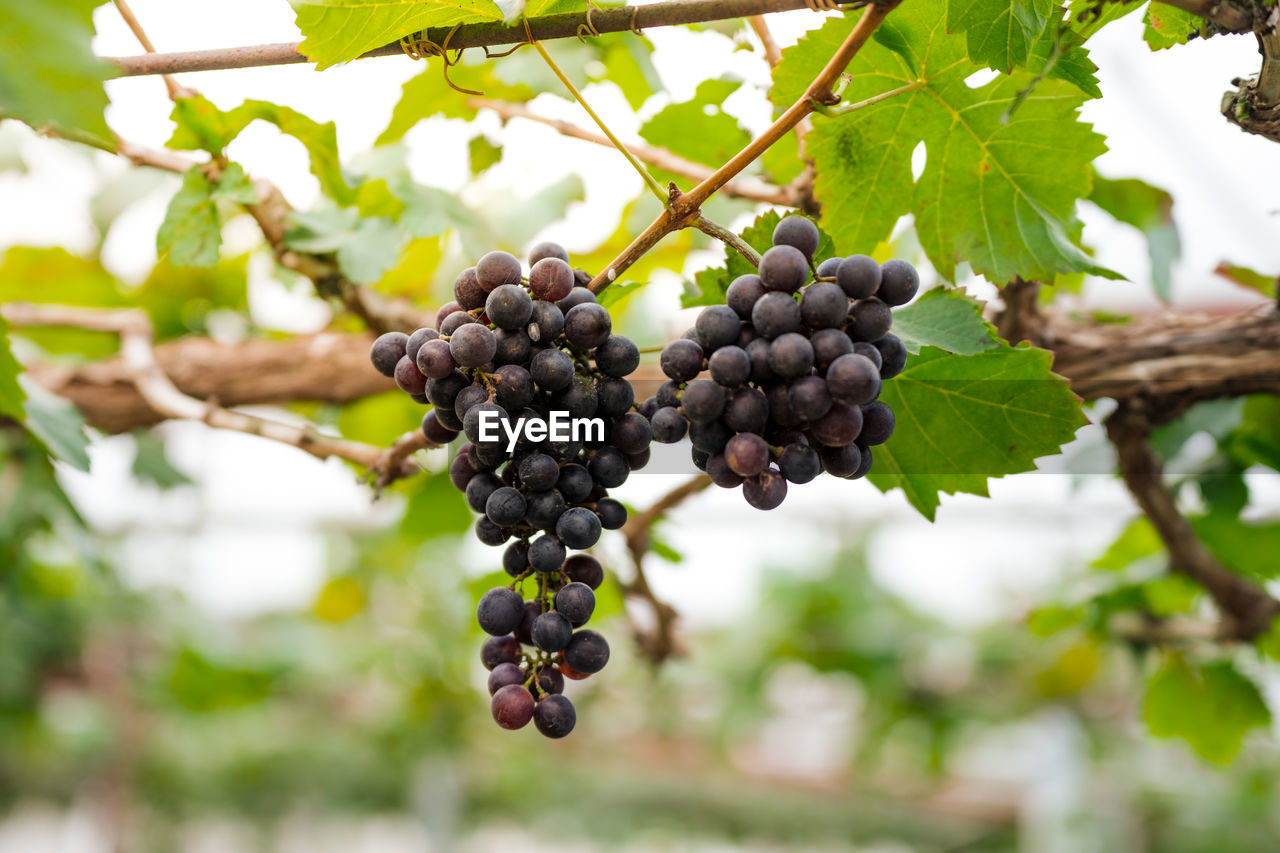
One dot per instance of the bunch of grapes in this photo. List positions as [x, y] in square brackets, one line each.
[513, 349]
[795, 369]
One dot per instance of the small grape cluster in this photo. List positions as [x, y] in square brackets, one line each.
[519, 348]
[795, 369]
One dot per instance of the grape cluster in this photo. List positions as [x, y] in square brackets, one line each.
[514, 348]
[795, 369]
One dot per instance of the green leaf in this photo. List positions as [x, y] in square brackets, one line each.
[339, 30]
[365, 246]
[57, 424]
[12, 396]
[999, 33]
[481, 154]
[1000, 196]
[1252, 279]
[1150, 210]
[435, 509]
[202, 685]
[698, 129]
[49, 75]
[962, 419]
[429, 94]
[151, 464]
[946, 318]
[1211, 707]
[1166, 26]
[1137, 541]
[191, 232]
[1258, 435]
[1246, 548]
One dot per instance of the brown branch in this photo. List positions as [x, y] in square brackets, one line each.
[175, 89]
[747, 188]
[1246, 607]
[760, 27]
[1254, 106]
[683, 210]
[487, 34]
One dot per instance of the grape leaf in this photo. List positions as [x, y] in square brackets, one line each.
[999, 33]
[191, 232]
[1150, 210]
[697, 128]
[1257, 438]
[151, 464]
[340, 30]
[481, 154]
[365, 246]
[964, 418]
[946, 318]
[49, 75]
[1248, 278]
[1211, 707]
[1000, 196]
[57, 424]
[11, 393]
[428, 95]
[1166, 26]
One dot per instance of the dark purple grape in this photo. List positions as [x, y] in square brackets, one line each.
[509, 307]
[554, 716]
[552, 370]
[460, 472]
[799, 463]
[575, 602]
[853, 379]
[730, 366]
[612, 513]
[435, 359]
[514, 347]
[758, 352]
[500, 611]
[387, 351]
[456, 321]
[577, 296]
[783, 268]
[631, 433]
[702, 401]
[544, 508]
[869, 351]
[839, 426]
[899, 282]
[858, 276]
[799, 233]
[669, 426]
[497, 268]
[515, 560]
[717, 326]
[841, 461]
[823, 305]
[809, 398]
[747, 410]
[609, 468]
[468, 398]
[504, 674]
[444, 311]
[547, 249]
[512, 707]
[538, 472]
[532, 610]
[546, 553]
[721, 474]
[776, 314]
[479, 489]
[791, 355]
[578, 528]
[584, 568]
[473, 345]
[498, 650]
[700, 458]
[668, 395]
[614, 398]
[491, 534]
[766, 490]
[409, 378]
[587, 652]
[746, 454]
[742, 294]
[579, 399]
[681, 360]
[711, 437]
[436, 432]
[877, 423]
[574, 483]
[467, 290]
[551, 632]
[545, 323]
[588, 325]
[549, 681]
[417, 339]
[505, 507]
[551, 279]
[635, 461]
[485, 414]
[827, 269]
[871, 320]
[828, 345]
[512, 386]
[648, 408]
[893, 353]
[617, 356]
[865, 465]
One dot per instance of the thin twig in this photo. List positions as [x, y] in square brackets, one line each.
[772, 54]
[176, 89]
[733, 241]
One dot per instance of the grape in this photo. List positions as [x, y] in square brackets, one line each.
[504, 674]
[783, 268]
[549, 681]
[790, 355]
[578, 528]
[505, 507]
[417, 339]
[442, 392]
[899, 282]
[583, 568]
[853, 379]
[448, 419]
[871, 320]
[554, 716]
[575, 602]
[491, 534]
[574, 483]
[551, 279]
[798, 232]
[858, 276]
[587, 652]
[746, 454]
[579, 399]
[758, 352]
[636, 461]
[828, 345]
[827, 269]
[444, 311]
[631, 433]
[614, 398]
[730, 366]
[472, 345]
[721, 474]
[746, 411]
[500, 611]
[702, 401]
[435, 359]
[700, 458]
[492, 414]
[613, 515]
[742, 294]
[869, 351]
[577, 296]
[717, 326]
[877, 423]
[779, 397]
[456, 321]
[766, 490]
[479, 489]
[681, 360]
[893, 354]
[710, 438]
[809, 398]
[775, 314]
[799, 463]
[532, 610]
[608, 467]
[546, 553]
[669, 426]
[865, 465]
[668, 395]
[823, 305]
[436, 432]
[513, 707]
[508, 306]
[408, 377]
[467, 290]
[512, 386]
[499, 650]
[515, 560]
[546, 322]
[648, 407]
[551, 632]
[839, 426]
[538, 472]
[587, 326]
[468, 398]
[547, 249]
[545, 508]
[617, 356]
[841, 461]
[552, 370]
[460, 471]
[514, 347]
[497, 268]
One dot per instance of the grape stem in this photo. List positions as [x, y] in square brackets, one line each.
[742, 247]
[845, 109]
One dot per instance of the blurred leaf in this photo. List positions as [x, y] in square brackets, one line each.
[199, 684]
[1258, 435]
[428, 95]
[1171, 595]
[627, 63]
[962, 419]
[946, 318]
[191, 233]
[339, 600]
[1070, 672]
[380, 419]
[12, 396]
[698, 129]
[179, 299]
[1167, 26]
[1047, 621]
[999, 33]
[782, 161]
[1247, 548]
[1211, 707]
[366, 247]
[340, 30]
[1150, 210]
[520, 220]
[1138, 539]
[1245, 277]
[58, 425]
[151, 464]
[481, 153]
[1214, 417]
[435, 508]
[412, 274]
[49, 75]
